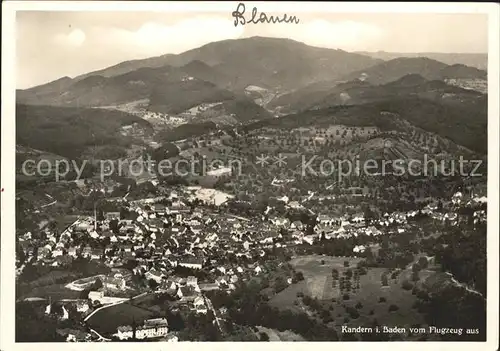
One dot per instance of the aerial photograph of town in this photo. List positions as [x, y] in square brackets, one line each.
[227, 177]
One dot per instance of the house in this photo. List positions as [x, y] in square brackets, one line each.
[297, 225]
[308, 239]
[82, 306]
[64, 260]
[451, 216]
[159, 252]
[179, 281]
[127, 255]
[280, 222]
[192, 281]
[114, 283]
[246, 245]
[178, 217]
[191, 262]
[199, 305]
[155, 275]
[196, 229]
[179, 209]
[325, 220]
[124, 332]
[168, 285]
[137, 247]
[87, 251]
[73, 335]
[83, 227]
[187, 293]
[220, 172]
[96, 254]
[96, 295]
[359, 249]
[72, 251]
[160, 209]
[172, 338]
[209, 286]
[295, 205]
[358, 218]
[224, 280]
[355, 191]
[57, 252]
[112, 215]
[152, 328]
[126, 248]
[107, 234]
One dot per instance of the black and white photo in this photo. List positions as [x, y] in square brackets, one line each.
[252, 173]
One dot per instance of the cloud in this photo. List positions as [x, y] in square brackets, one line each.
[346, 35]
[154, 38]
[75, 38]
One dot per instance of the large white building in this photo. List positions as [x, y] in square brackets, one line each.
[152, 328]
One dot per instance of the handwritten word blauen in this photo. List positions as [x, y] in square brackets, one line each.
[239, 17]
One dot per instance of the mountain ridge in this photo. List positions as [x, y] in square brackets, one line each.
[283, 55]
[477, 60]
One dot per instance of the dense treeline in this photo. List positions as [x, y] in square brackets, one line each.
[33, 326]
[68, 131]
[187, 130]
[247, 306]
[466, 126]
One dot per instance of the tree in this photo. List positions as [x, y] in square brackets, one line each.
[384, 279]
[152, 284]
[263, 336]
[97, 285]
[423, 263]
[393, 308]
[299, 276]
[407, 285]
[113, 225]
[280, 284]
[415, 277]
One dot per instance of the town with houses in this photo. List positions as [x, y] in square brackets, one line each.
[183, 250]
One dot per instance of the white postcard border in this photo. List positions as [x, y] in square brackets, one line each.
[7, 277]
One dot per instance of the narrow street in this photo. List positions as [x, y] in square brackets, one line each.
[211, 307]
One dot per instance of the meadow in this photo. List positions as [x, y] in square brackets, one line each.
[107, 320]
[361, 306]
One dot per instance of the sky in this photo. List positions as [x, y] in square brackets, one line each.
[54, 44]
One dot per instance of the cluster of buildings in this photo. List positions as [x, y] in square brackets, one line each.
[150, 329]
[171, 240]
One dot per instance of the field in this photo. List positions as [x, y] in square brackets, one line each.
[108, 319]
[317, 283]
